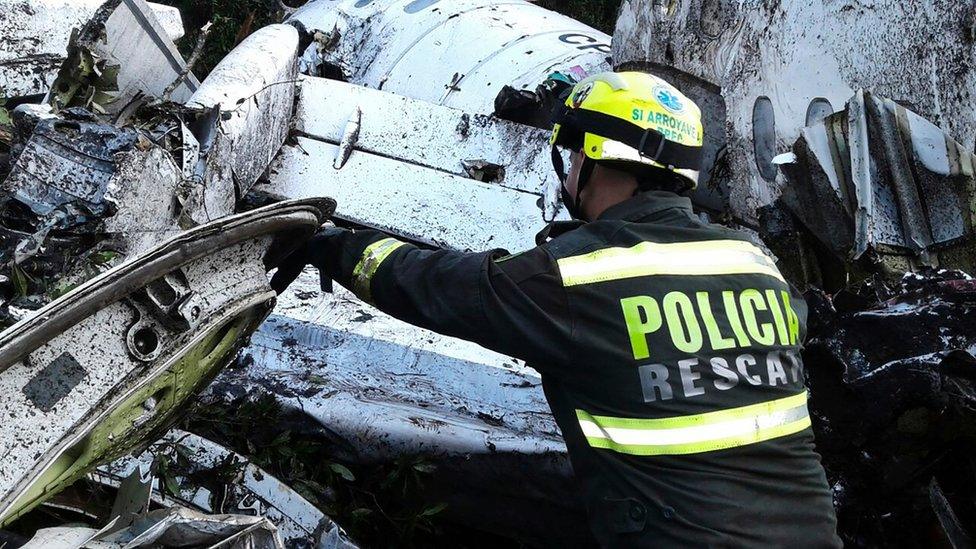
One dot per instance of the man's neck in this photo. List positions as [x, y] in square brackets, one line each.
[605, 192]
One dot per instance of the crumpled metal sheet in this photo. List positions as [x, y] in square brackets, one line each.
[83, 195]
[181, 527]
[35, 33]
[68, 160]
[173, 527]
[214, 479]
[890, 188]
[892, 376]
[129, 44]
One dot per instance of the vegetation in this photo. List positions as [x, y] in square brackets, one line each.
[599, 14]
[383, 505]
[233, 20]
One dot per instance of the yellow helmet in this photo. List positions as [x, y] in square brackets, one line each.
[631, 117]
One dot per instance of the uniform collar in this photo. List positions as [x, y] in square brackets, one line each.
[647, 205]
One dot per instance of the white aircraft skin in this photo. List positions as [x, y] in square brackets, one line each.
[457, 53]
[780, 66]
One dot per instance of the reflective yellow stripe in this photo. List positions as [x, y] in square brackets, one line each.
[373, 256]
[710, 257]
[697, 433]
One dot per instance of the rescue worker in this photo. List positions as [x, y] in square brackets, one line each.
[668, 347]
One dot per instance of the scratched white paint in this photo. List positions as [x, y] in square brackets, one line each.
[457, 53]
[254, 85]
[407, 199]
[425, 134]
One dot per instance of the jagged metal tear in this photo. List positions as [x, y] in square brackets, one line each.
[885, 179]
[162, 325]
[778, 66]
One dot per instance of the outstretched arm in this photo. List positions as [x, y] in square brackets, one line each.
[514, 305]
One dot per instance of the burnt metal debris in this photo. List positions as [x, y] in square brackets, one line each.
[893, 394]
[115, 147]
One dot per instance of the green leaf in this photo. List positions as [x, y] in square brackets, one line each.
[172, 485]
[20, 280]
[184, 452]
[281, 439]
[424, 467]
[4, 114]
[361, 514]
[318, 380]
[61, 290]
[431, 511]
[103, 257]
[342, 471]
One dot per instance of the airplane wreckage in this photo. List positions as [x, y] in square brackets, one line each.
[141, 209]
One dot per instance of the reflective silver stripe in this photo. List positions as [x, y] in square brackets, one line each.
[697, 433]
[708, 257]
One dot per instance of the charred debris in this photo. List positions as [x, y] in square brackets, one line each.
[113, 155]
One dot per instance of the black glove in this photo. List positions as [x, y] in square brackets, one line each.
[321, 251]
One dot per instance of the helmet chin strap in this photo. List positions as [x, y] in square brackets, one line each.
[573, 206]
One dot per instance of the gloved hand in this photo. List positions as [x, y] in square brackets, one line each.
[321, 251]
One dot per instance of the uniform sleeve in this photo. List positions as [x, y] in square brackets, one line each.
[514, 305]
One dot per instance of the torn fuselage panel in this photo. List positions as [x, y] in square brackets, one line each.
[34, 36]
[125, 43]
[158, 339]
[804, 60]
[893, 191]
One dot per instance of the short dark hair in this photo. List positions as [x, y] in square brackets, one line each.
[652, 178]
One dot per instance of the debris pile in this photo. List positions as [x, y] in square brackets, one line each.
[196, 473]
[174, 527]
[70, 208]
[892, 378]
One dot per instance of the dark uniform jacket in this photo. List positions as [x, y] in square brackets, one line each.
[669, 354]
